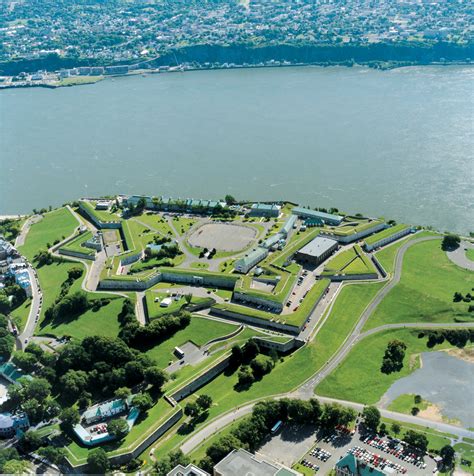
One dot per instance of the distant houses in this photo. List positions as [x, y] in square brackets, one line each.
[13, 424]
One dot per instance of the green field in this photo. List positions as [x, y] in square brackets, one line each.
[199, 331]
[386, 255]
[55, 225]
[76, 244]
[436, 439]
[358, 378]
[156, 222]
[349, 262]
[79, 80]
[183, 225]
[104, 322]
[470, 253]
[101, 215]
[425, 291]
[20, 314]
[404, 403]
[466, 452]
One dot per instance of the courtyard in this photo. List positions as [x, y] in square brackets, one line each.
[223, 237]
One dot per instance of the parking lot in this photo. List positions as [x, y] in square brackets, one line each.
[382, 453]
[320, 452]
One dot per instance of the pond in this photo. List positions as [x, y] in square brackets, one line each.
[443, 380]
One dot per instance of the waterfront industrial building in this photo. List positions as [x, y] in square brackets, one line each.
[317, 250]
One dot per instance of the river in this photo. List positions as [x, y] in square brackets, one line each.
[396, 143]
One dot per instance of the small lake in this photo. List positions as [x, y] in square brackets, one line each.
[443, 380]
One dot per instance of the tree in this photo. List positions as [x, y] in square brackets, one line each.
[97, 461]
[236, 355]
[393, 357]
[417, 399]
[261, 365]
[15, 466]
[4, 303]
[155, 376]
[230, 200]
[450, 242]
[30, 441]
[371, 416]
[447, 453]
[73, 382]
[53, 454]
[75, 273]
[69, 418]
[396, 428]
[164, 465]
[118, 428]
[188, 297]
[192, 409]
[250, 350]
[204, 402]
[417, 440]
[123, 393]
[223, 447]
[25, 361]
[245, 375]
[142, 401]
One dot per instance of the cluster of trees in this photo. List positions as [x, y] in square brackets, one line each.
[164, 465]
[11, 296]
[96, 368]
[10, 228]
[167, 251]
[135, 210]
[199, 407]
[250, 433]
[7, 341]
[45, 258]
[160, 329]
[70, 305]
[251, 364]
[33, 441]
[457, 337]
[393, 357]
[12, 463]
[450, 242]
[417, 440]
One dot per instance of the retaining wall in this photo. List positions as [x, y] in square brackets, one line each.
[266, 324]
[388, 239]
[200, 381]
[278, 307]
[379, 266]
[356, 236]
[76, 254]
[352, 277]
[282, 347]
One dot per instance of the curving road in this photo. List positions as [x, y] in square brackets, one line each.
[306, 390]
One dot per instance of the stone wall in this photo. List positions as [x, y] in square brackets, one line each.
[76, 254]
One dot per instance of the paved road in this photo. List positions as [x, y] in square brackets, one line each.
[458, 256]
[35, 309]
[307, 389]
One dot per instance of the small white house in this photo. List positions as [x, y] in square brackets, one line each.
[166, 302]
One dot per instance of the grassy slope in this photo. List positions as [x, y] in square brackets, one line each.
[358, 378]
[55, 225]
[199, 331]
[20, 314]
[104, 322]
[470, 254]
[425, 291]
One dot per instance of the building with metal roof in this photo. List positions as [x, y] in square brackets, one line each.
[317, 250]
[326, 217]
[287, 227]
[241, 462]
[265, 210]
[245, 264]
[349, 465]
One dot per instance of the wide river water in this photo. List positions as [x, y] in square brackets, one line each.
[395, 143]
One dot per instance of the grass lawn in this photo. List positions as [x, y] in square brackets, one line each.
[156, 222]
[351, 261]
[76, 244]
[198, 265]
[381, 235]
[359, 379]
[466, 452]
[425, 291]
[386, 255]
[78, 80]
[104, 322]
[199, 331]
[470, 253]
[436, 439]
[20, 314]
[55, 225]
[404, 403]
[183, 225]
